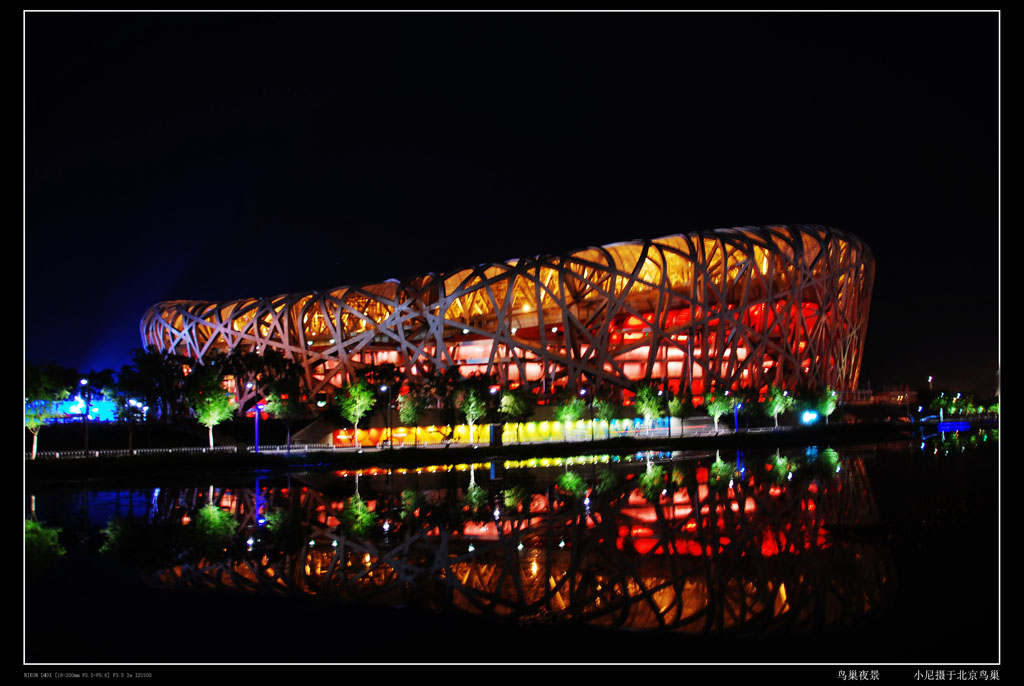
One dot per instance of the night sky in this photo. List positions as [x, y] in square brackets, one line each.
[226, 155]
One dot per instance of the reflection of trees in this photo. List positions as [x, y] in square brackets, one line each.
[959, 442]
[752, 553]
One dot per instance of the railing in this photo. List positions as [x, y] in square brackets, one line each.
[571, 436]
[73, 454]
[295, 448]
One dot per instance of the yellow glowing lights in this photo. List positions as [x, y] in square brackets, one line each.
[664, 281]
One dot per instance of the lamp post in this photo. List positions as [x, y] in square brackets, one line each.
[736, 416]
[590, 409]
[257, 409]
[386, 388]
[133, 407]
[84, 383]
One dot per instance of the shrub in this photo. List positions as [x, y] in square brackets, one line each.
[357, 518]
[652, 483]
[42, 546]
[573, 484]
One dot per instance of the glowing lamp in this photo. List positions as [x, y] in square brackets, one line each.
[809, 417]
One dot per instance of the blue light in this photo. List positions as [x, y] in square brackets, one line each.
[954, 426]
[808, 417]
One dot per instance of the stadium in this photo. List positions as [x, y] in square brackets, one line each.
[742, 307]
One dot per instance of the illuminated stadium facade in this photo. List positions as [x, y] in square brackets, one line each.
[742, 307]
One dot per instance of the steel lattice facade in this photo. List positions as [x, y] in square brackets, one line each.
[730, 308]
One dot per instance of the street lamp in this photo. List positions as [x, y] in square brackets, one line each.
[590, 409]
[256, 415]
[386, 388]
[87, 396]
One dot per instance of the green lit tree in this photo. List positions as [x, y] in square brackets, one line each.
[571, 409]
[44, 389]
[777, 402]
[940, 403]
[517, 405]
[652, 483]
[676, 407]
[411, 408]
[716, 405]
[357, 518]
[605, 410]
[42, 546]
[213, 408]
[827, 402]
[650, 403]
[353, 401]
[210, 403]
[573, 484]
[472, 403]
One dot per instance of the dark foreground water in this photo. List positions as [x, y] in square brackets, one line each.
[863, 555]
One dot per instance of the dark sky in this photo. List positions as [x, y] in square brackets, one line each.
[225, 155]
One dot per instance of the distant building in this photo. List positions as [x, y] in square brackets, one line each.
[75, 409]
[730, 308]
[896, 395]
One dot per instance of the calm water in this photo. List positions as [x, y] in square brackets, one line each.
[865, 554]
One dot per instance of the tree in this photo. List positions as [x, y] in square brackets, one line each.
[284, 400]
[473, 404]
[213, 408]
[940, 403]
[777, 402]
[716, 406]
[517, 405]
[605, 410]
[210, 403]
[676, 407]
[259, 374]
[650, 403]
[288, 408]
[411, 408]
[44, 389]
[571, 409]
[827, 402]
[679, 407]
[441, 386]
[158, 378]
[353, 401]
[384, 374]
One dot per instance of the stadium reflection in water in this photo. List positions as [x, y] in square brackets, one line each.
[695, 544]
